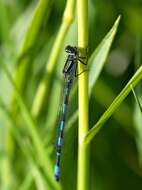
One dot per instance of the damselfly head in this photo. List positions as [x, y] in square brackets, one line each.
[71, 50]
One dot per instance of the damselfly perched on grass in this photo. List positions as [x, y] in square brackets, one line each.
[70, 72]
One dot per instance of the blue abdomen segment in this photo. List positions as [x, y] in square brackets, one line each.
[59, 141]
[62, 126]
[64, 108]
[57, 172]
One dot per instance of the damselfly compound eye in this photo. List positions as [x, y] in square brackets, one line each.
[70, 49]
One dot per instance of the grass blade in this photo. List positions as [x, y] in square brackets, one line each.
[44, 87]
[115, 104]
[99, 56]
[31, 128]
[125, 120]
[137, 99]
[97, 60]
[31, 35]
[83, 100]
[4, 26]
[28, 181]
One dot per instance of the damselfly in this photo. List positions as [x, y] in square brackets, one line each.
[70, 72]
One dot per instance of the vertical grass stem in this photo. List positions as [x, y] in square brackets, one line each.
[83, 150]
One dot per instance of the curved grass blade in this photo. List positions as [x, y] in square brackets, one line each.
[120, 116]
[137, 99]
[37, 20]
[115, 104]
[138, 104]
[5, 22]
[31, 127]
[97, 60]
[44, 87]
[31, 35]
[27, 182]
[99, 56]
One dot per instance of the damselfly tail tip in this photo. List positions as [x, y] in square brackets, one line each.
[57, 173]
[57, 178]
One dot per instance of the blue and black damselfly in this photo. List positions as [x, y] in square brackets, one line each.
[70, 72]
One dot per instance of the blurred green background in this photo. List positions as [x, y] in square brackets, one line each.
[116, 152]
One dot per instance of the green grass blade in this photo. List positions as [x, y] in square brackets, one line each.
[32, 130]
[83, 100]
[97, 60]
[125, 120]
[138, 106]
[39, 180]
[27, 182]
[137, 99]
[115, 104]
[99, 56]
[37, 19]
[6, 175]
[5, 23]
[45, 85]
